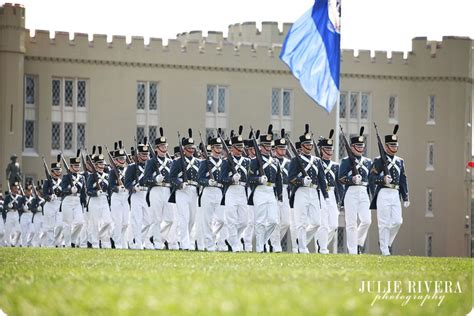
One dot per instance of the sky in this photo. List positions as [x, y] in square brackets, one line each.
[387, 25]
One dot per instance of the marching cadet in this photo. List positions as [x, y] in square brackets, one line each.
[119, 208]
[249, 231]
[26, 217]
[73, 187]
[293, 232]
[100, 221]
[283, 206]
[265, 175]
[84, 236]
[356, 195]
[139, 210]
[209, 177]
[390, 187]
[157, 177]
[234, 177]
[13, 205]
[306, 175]
[52, 192]
[39, 238]
[330, 214]
[183, 176]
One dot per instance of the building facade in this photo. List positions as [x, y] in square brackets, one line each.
[60, 92]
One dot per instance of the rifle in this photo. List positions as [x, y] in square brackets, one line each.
[46, 170]
[125, 151]
[258, 154]
[206, 157]
[114, 166]
[83, 162]
[136, 161]
[316, 150]
[383, 154]
[94, 170]
[183, 159]
[230, 158]
[350, 154]
[66, 166]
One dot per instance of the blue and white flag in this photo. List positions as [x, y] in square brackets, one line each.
[312, 51]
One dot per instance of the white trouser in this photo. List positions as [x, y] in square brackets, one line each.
[84, 235]
[12, 229]
[120, 213]
[186, 203]
[2, 231]
[27, 229]
[100, 221]
[39, 239]
[293, 232]
[266, 215]
[282, 227]
[163, 215]
[172, 235]
[329, 222]
[236, 215]
[249, 231]
[140, 220]
[307, 216]
[73, 219]
[356, 204]
[389, 217]
[53, 223]
[219, 229]
[210, 203]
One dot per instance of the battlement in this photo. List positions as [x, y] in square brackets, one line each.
[248, 32]
[12, 15]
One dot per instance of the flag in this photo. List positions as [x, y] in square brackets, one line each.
[312, 51]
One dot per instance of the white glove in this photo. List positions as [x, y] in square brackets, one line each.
[212, 182]
[236, 177]
[53, 197]
[74, 190]
[263, 180]
[184, 185]
[10, 205]
[39, 208]
[307, 181]
[159, 178]
[99, 192]
[357, 179]
[387, 179]
[25, 208]
[406, 204]
[122, 189]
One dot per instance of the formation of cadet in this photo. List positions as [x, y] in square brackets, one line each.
[227, 195]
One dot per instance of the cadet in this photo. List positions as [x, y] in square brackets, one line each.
[39, 239]
[14, 171]
[139, 210]
[390, 187]
[119, 208]
[26, 217]
[330, 214]
[356, 196]
[52, 192]
[73, 187]
[234, 177]
[209, 177]
[306, 175]
[13, 205]
[100, 221]
[185, 188]
[283, 206]
[265, 175]
[157, 177]
[250, 229]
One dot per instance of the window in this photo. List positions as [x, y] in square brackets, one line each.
[364, 106]
[30, 90]
[429, 244]
[56, 92]
[281, 103]
[217, 107]
[147, 110]
[429, 203]
[353, 105]
[68, 114]
[56, 136]
[30, 114]
[393, 109]
[81, 93]
[431, 110]
[29, 134]
[430, 157]
[140, 134]
[343, 105]
[342, 148]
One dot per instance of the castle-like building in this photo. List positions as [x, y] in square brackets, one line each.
[59, 92]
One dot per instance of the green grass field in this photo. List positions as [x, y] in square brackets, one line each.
[113, 282]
